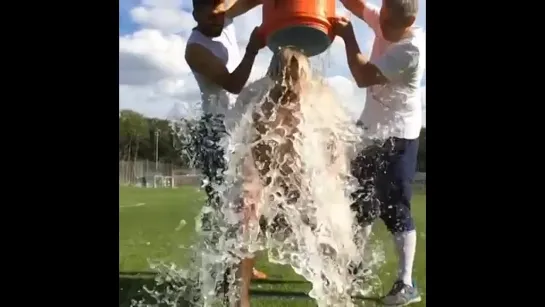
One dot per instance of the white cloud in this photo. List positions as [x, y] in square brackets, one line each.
[351, 97]
[166, 19]
[154, 77]
[149, 56]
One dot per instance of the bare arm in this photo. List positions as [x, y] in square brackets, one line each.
[364, 72]
[239, 7]
[364, 11]
[207, 64]
[394, 63]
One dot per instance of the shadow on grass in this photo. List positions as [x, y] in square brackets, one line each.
[131, 288]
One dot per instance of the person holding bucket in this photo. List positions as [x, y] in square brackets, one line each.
[212, 53]
[392, 119]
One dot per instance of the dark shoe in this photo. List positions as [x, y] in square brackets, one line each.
[401, 295]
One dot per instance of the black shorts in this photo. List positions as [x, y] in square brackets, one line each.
[385, 172]
[204, 146]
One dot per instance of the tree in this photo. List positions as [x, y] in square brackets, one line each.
[133, 130]
[160, 131]
[137, 140]
[140, 137]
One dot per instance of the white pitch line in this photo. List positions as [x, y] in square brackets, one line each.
[131, 206]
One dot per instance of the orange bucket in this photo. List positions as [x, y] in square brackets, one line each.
[303, 24]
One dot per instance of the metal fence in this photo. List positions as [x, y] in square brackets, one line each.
[150, 174]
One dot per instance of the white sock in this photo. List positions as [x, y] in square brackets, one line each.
[406, 247]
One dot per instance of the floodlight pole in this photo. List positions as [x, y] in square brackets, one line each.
[156, 150]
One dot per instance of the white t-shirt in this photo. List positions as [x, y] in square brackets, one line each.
[216, 100]
[395, 109]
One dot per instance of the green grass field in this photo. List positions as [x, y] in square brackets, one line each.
[150, 227]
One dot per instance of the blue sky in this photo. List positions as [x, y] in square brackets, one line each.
[126, 24]
[154, 78]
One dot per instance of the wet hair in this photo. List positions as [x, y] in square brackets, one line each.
[290, 65]
[402, 8]
[289, 68]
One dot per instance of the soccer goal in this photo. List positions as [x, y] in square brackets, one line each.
[160, 181]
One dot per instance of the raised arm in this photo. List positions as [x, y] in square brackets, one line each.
[396, 61]
[364, 72]
[365, 11]
[392, 64]
[239, 7]
[204, 62]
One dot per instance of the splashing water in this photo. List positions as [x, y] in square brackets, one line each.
[283, 186]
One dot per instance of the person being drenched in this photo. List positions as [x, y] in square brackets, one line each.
[276, 94]
[273, 164]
